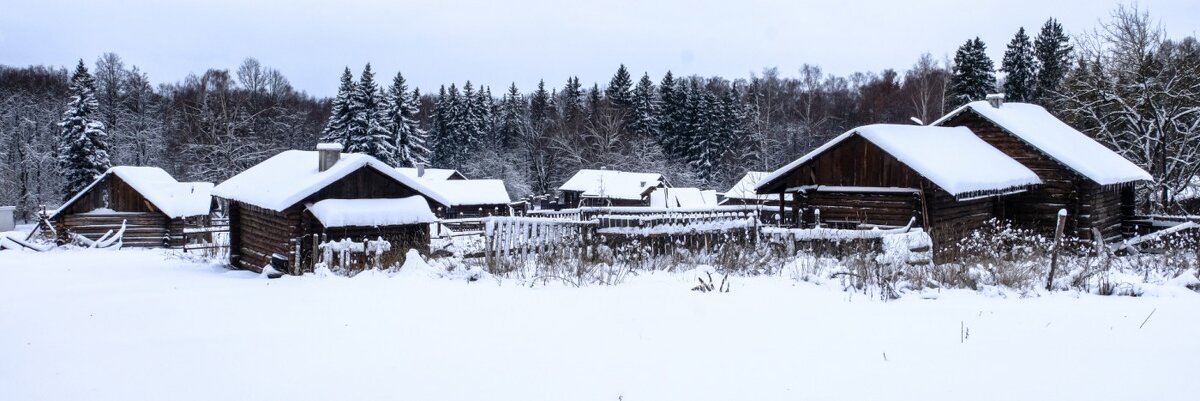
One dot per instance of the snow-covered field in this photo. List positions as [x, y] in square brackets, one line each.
[147, 325]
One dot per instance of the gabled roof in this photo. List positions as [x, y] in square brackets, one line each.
[954, 159]
[683, 198]
[744, 188]
[612, 184]
[173, 198]
[290, 176]
[471, 192]
[372, 212]
[1073, 149]
[439, 174]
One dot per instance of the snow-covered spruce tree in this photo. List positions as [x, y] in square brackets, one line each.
[572, 103]
[401, 122]
[1019, 68]
[514, 118]
[83, 145]
[671, 117]
[540, 107]
[644, 111]
[1052, 48]
[973, 76]
[619, 95]
[439, 128]
[342, 112]
[367, 132]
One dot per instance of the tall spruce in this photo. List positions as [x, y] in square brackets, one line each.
[341, 112]
[401, 122]
[1019, 68]
[540, 110]
[513, 118]
[619, 89]
[83, 144]
[973, 76]
[672, 115]
[367, 132]
[644, 111]
[572, 103]
[1052, 48]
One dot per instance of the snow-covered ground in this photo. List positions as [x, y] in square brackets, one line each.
[147, 325]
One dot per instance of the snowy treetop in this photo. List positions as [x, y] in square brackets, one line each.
[683, 197]
[952, 158]
[175, 199]
[372, 212]
[288, 177]
[471, 192]
[437, 174]
[1037, 127]
[612, 183]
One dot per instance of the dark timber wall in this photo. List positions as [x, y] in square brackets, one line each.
[145, 225]
[1087, 203]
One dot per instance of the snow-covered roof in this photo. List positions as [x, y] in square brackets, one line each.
[471, 192]
[953, 158]
[683, 197]
[372, 212]
[744, 188]
[430, 173]
[612, 184]
[175, 199]
[1040, 129]
[290, 176]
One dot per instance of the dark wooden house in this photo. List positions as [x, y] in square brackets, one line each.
[1094, 184]
[276, 208]
[471, 198]
[743, 192]
[609, 188]
[884, 175]
[148, 202]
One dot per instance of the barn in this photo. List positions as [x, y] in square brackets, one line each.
[743, 192]
[429, 173]
[151, 206]
[1094, 184]
[884, 175]
[609, 188]
[291, 203]
[472, 198]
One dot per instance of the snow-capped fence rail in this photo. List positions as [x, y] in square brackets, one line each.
[348, 255]
[510, 238]
[766, 214]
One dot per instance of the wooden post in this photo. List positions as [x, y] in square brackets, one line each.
[1058, 232]
[782, 208]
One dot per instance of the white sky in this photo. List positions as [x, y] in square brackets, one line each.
[493, 43]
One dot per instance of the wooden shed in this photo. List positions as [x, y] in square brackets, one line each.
[885, 175]
[1094, 184]
[148, 202]
[610, 188]
[471, 198]
[275, 207]
[743, 192]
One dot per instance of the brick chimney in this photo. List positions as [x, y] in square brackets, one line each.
[328, 155]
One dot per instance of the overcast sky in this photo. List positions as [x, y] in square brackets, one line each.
[495, 43]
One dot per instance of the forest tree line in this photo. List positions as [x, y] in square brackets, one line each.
[1125, 82]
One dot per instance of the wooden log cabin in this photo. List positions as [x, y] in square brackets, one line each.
[743, 192]
[1094, 184]
[148, 202]
[609, 188]
[472, 198]
[884, 175]
[271, 207]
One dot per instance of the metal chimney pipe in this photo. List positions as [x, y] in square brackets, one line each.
[328, 155]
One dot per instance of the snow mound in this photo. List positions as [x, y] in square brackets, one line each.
[415, 267]
[372, 212]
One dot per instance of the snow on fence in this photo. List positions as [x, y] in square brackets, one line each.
[348, 255]
[765, 214]
[521, 237]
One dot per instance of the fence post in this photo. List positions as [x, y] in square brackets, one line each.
[1058, 233]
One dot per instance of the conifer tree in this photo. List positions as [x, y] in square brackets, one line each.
[83, 144]
[573, 107]
[513, 118]
[367, 132]
[618, 91]
[1019, 68]
[1052, 48]
[973, 77]
[539, 106]
[671, 115]
[401, 122]
[342, 113]
[644, 110]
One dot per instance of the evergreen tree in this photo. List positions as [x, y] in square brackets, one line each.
[83, 144]
[367, 131]
[401, 121]
[572, 103]
[595, 102]
[1052, 48]
[973, 77]
[671, 116]
[540, 108]
[1019, 68]
[513, 118]
[440, 142]
[342, 113]
[618, 91]
[644, 112]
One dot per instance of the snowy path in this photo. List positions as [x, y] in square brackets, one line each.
[130, 325]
